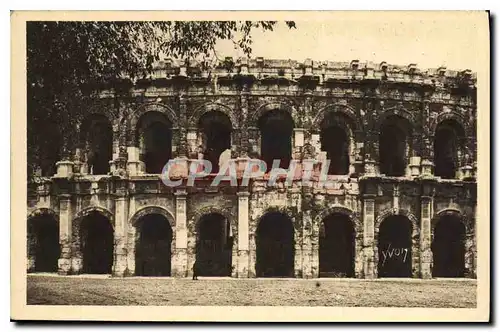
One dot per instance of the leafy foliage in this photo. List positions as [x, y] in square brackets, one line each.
[65, 61]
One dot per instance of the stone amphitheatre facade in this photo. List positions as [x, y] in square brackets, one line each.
[402, 146]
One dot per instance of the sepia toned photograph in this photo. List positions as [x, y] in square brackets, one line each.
[329, 164]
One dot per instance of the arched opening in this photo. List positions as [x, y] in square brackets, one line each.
[393, 146]
[214, 246]
[49, 143]
[154, 135]
[97, 135]
[336, 246]
[335, 141]
[215, 128]
[276, 128]
[43, 140]
[275, 246]
[96, 234]
[153, 246]
[448, 143]
[448, 248]
[394, 247]
[43, 237]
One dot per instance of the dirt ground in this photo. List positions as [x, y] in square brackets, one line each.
[82, 290]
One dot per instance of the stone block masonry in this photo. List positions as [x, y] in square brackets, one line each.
[401, 146]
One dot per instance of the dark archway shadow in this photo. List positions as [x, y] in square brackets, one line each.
[276, 128]
[216, 129]
[44, 238]
[153, 251]
[214, 246]
[336, 246]
[393, 140]
[155, 131]
[394, 248]
[97, 244]
[335, 141]
[448, 248]
[275, 246]
[97, 138]
[448, 141]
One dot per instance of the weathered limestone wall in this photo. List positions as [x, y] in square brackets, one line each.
[244, 91]
[244, 209]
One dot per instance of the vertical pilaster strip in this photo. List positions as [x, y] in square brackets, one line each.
[31, 246]
[245, 147]
[120, 267]
[298, 142]
[254, 141]
[427, 166]
[182, 130]
[298, 253]
[425, 238]
[65, 228]
[192, 141]
[180, 261]
[119, 164]
[368, 237]
[243, 235]
[470, 246]
[131, 233]
[371, 148]
[395, 197]
[310, 266]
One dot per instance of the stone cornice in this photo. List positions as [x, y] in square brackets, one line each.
[307, 74]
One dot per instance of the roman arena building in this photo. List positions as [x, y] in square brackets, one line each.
[402, 148]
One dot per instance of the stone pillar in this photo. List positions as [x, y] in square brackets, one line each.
[192, 141]
[368, 237]
[426, 148]
[425, 237]
[119, 163]
[64, 168]
[243, 236]
[244, 144]
[120, 267]
[371, 154]
[298, 266]
[415, 153]
[134, 164]
[298, 140]
[131, 236]
[65, 229]
[182, 147]
[254, 141]
[315, 142]
[467, 169]
[115, 144]
[180, 262]
[180, 144]
[413, 169]
[235, 138]
[427, 166]
[414, 166]
[471, 249]
[310, 266]
[31, 246]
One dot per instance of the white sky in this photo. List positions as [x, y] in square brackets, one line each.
[427, 40]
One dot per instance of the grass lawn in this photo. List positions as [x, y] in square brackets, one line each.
[80, 290]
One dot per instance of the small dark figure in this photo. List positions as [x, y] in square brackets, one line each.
[195, 270]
